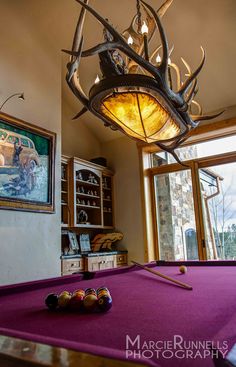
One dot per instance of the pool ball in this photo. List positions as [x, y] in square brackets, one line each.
[102, 289]
[51, 301]
[104, 303]
[90, 302]
[183, 269]
[76, 301]
[103, 293]
[90, 291]
[65, 292]
[81, 291]
[64, 299]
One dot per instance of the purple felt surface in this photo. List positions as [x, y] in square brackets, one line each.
[143, 304]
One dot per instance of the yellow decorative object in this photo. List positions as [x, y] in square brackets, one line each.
[105, 240]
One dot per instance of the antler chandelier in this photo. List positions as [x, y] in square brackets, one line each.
[136, 94]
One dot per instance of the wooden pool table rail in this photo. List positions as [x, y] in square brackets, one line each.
[16, 352]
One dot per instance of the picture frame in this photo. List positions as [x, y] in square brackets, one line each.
[74, 246]
[84, 242]
[27, 166]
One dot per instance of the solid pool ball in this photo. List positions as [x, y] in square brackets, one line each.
[104, 303]
[64, 299]
[183, 269]
[65, 292]
[51, 301]
[90, 302]
[79, 291]
[76, 301]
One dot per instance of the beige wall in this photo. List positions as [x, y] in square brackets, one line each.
[29, 242]
[122, 156]
[77, 139]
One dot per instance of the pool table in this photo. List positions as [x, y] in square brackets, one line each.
[152, 322]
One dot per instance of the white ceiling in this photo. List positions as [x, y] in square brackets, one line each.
[188, 24]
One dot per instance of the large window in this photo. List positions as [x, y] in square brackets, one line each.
[193, 207]
[200, 150]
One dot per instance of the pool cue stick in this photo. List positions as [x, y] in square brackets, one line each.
[184, 285]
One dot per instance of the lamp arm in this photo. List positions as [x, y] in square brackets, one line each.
[13, 95]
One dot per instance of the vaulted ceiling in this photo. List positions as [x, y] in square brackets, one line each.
[188, 24]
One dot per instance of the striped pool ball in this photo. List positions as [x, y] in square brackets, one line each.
[104, 302]
[90, 291]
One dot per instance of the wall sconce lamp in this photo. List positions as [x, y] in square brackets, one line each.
[20, 96]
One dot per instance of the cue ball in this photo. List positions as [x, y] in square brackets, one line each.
[183, 269]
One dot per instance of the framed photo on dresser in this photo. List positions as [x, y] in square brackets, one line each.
[84, 242]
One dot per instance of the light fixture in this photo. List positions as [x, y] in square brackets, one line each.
[97, 80]
[20, 96]
[135, 94]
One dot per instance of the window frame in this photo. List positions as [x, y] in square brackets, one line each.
[202, 133]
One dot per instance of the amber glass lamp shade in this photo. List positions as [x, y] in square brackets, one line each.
[141, 112]
[140, 116]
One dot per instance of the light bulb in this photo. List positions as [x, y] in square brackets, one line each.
[97, 80]
[144, 28]
[130, 40]
[158, 59]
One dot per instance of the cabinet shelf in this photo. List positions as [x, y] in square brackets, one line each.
[87, 182]
[65, 213]
[64, 225]
[88, 206]
[82, 190]
[88, 195]
[88, 226]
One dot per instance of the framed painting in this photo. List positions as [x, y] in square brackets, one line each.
[27, 155]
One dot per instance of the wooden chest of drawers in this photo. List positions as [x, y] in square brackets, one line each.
[100, 262]
[121, 259]
[70, 266]
[93, 262]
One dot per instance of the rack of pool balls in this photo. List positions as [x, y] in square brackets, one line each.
[88, 300]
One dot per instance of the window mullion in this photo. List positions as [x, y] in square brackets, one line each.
[197, 199]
